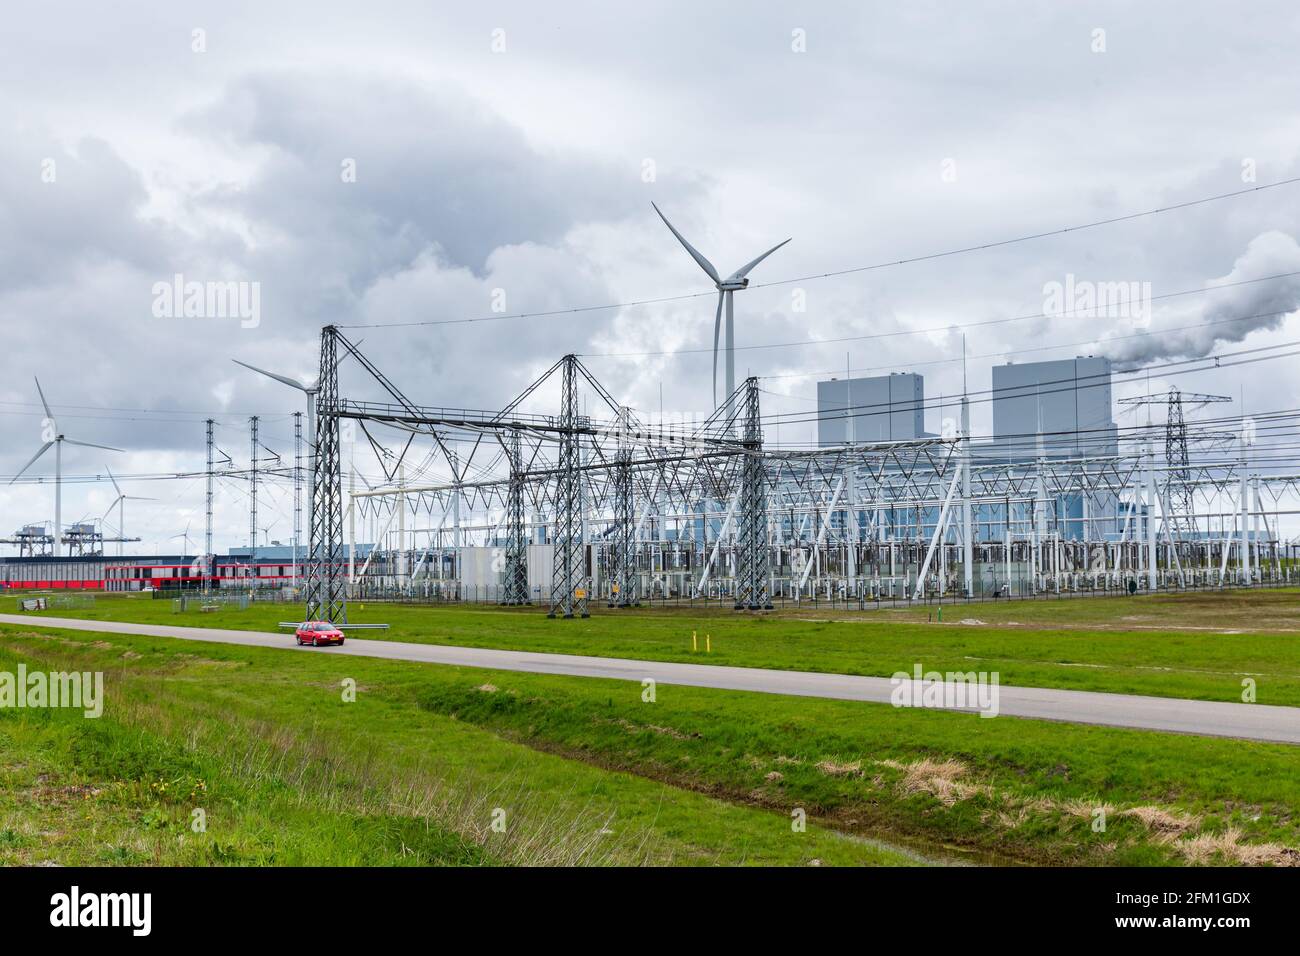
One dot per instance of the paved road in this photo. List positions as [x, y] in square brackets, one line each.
[1212, 718]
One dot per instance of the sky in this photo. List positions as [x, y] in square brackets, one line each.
[374, 166]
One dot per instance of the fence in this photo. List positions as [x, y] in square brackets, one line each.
[873, 594]
[210, 603]
[57, 601]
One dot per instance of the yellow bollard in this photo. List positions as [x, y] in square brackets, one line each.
[694, 646]
[708, 644]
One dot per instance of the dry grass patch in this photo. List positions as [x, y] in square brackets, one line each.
[833, 768]
[1160, 820]
[634, 728]
[1227, 845]
[939, 778]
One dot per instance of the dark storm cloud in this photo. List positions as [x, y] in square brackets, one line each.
[435, 169]
[67, 207]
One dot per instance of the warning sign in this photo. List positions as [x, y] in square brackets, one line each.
[579, 593]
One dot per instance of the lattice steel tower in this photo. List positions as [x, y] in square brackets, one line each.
[208, 558]
[622, 550]
[1180, 493]
[516, 570]
[752, 556]
[569, 584]
[326, 587]
[1178, 486]
[297, 494]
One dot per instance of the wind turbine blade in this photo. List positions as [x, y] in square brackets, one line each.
[744, 270]
[113, 480]
[704, 263]
[138, 498]
[717, 327]
[48, 414]
[90, 444]
[291, 382]
[346, 353]
[44, 449]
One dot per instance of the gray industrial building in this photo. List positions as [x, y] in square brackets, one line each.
[880, 408]
[1056, 409]
[1068, 401]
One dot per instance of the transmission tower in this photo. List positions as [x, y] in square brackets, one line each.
[622, 554]
[1179, 488]
[326, 587]
[516, 576]
[208, 558]
[297, 493]
[252, 496]
[752, 557]
[569, 576]
[1178, 493]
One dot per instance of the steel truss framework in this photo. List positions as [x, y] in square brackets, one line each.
[326, 591]
[516, 571]
[629, 510]
[569, 577]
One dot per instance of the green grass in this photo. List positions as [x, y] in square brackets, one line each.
[1055, 643]
[287, 773]
[697, 776]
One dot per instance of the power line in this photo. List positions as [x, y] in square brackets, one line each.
[961, 327]
[505, 317]
[1098, 380]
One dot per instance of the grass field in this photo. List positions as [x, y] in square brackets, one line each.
[586, 772]
[1195, 646]
[287, 773]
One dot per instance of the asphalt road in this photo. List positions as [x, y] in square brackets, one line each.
[1211, 718]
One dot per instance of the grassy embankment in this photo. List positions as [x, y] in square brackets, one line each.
[1196, 646]
[586, 771]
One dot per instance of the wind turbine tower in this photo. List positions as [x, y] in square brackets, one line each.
[119, 503]
[726, 290]
[52, 435]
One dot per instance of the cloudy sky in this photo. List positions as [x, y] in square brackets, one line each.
[394, 163]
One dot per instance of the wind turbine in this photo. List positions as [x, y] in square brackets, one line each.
[311, 390]
[118, 503]
[186, 535]
[52, 436]
[726, 289]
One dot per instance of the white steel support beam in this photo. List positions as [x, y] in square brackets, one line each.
[938, 532]
[968, 539]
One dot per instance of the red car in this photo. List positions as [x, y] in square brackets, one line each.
[317, 633]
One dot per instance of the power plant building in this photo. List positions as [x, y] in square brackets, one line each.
[1067, 402]
[877, 409]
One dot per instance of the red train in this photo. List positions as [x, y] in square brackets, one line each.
[164, 573]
